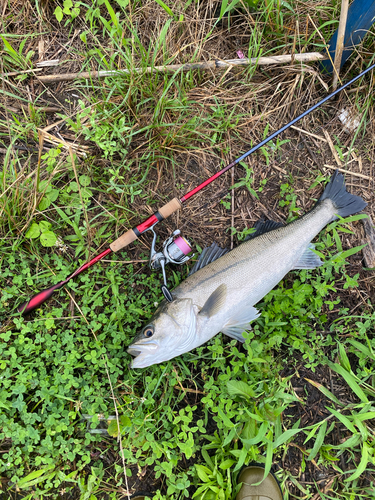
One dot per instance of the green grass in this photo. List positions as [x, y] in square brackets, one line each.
[197, 419]
[54, 371]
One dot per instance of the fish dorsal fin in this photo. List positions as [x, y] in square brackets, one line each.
[262, 227]
[209, 254]
[215, 301]
[309, 259]
[240, 322]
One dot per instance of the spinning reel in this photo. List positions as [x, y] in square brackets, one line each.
[175, 250]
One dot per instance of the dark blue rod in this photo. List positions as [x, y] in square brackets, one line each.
[272, 136]
[295, 120]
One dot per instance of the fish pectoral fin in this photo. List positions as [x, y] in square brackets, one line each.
[215, 301]
[308, 260]
[239, 323]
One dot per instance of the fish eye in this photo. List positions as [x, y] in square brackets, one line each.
[148, 331]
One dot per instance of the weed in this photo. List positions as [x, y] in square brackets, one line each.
[289, 199]
[42, 231]
[16, 57]
[274, 147]
[262, 184]
[241, 235]
[247, 181]
[69, 8]
[226, 201]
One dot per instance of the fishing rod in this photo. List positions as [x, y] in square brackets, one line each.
[176, 249]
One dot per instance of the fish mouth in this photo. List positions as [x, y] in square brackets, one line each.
[133, 351]
[140, 353]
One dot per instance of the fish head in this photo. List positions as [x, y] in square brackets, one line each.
[170, 332]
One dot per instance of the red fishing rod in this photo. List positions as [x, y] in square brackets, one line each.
[176, 248]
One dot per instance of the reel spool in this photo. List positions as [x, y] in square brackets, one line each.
[175, 250]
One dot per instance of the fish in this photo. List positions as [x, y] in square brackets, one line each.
[223, 287]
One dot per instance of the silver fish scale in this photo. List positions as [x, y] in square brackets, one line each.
[252, 269]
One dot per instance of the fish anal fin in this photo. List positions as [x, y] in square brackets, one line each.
[240, 322]
[309, 259]
[262, 227]
[215, 301]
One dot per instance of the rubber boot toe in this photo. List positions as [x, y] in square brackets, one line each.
[268, 489]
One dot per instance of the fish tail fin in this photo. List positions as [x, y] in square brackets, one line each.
[345, 204]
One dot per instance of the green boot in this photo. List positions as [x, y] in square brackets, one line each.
[269, 489]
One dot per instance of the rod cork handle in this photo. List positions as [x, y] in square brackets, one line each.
[123, 241]
[133, 234]
[170, 207]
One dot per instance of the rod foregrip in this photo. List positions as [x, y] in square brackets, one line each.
[123, 241]
[170, 207]
[131, 235]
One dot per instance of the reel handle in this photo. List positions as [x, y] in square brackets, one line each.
[133, 234]
[166, 292]
[164, 288]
